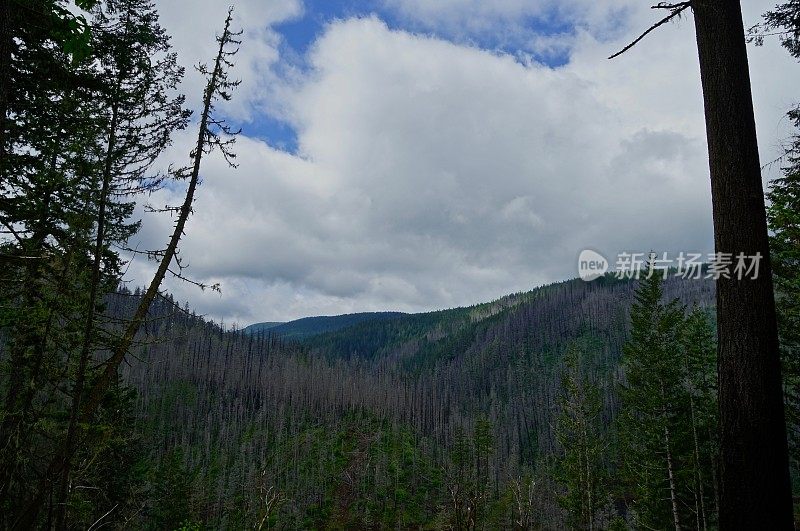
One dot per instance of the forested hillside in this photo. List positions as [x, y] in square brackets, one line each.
[391, 422]
[312, 326]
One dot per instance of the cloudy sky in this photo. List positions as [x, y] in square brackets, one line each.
[422, 154]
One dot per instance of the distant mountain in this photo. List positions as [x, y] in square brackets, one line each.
[262, 327]
[307, 327]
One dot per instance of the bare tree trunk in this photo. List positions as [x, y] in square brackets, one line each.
[589, 500]
[700, 505]
[754, 469]
[673, 494]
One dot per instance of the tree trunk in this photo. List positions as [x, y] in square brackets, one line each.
[754, 470]
[699, 494]
[673, 491]
[587, 465]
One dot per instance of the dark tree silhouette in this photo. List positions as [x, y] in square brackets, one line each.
[754, 470]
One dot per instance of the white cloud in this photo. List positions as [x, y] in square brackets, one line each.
[193, 25]
[432, 174]
[544, 27]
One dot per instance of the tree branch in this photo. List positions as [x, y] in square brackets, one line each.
[677, 9]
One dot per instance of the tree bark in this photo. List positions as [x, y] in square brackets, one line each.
[754, 470]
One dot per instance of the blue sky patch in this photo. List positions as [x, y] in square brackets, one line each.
[513, 37]
[275, 132]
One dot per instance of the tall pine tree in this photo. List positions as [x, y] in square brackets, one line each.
[667, 423]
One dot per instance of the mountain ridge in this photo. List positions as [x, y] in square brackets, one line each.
[306, 327]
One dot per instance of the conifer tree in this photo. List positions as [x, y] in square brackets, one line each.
[80, 133]
[213, 133]
[49, 167]
[652, 406]
[699, 350]
[668, 420]
[141, 113]
[579, 466]
[784, 218]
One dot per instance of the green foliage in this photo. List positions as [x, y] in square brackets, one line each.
[468, 498]
[87, 112]
[171, 492]
[362, 473]
[71, 31]
[114, 444]
[579, 432]
[782, 20]
[784, 221]
[667, 423]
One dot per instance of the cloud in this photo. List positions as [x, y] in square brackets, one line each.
[431, 174]
[545, 28]
[193, 25]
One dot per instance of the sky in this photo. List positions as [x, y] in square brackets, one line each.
[414, 155]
